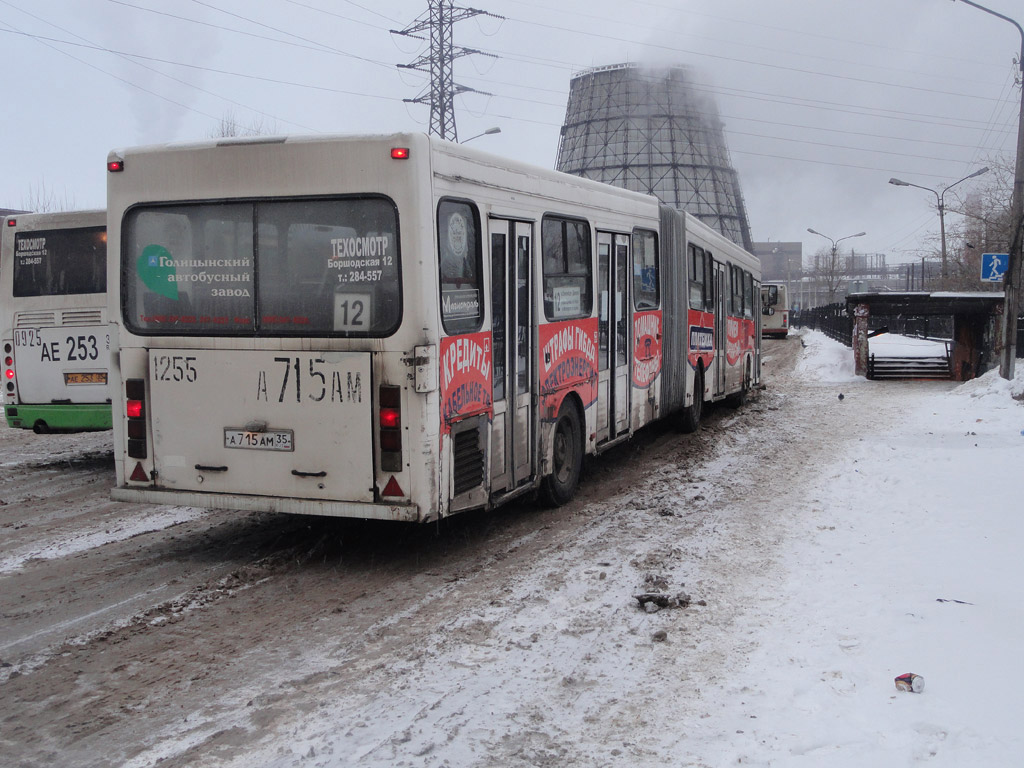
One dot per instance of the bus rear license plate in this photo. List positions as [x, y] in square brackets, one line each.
[78, 377]
[271, 440]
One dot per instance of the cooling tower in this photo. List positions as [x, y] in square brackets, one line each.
[649, 130]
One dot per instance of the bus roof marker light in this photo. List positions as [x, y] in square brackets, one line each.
[399, 153]
[12, 222]
[115, 166]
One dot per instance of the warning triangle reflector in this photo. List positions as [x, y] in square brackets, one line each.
[139, 474]
[393, 488]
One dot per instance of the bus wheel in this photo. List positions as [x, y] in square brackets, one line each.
[559, 487]
[41, 427]
[737, 399]
[690, 420]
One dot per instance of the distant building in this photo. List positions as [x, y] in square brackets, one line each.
[780, 262]
[816, 283]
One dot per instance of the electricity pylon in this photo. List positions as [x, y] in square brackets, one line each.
[440, 17]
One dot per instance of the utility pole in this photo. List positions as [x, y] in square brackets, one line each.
[438, 64]
[1012, 278]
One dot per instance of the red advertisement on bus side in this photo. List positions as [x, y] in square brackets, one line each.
[739, 338]
[701, 343]
[465, 365]
[646, 348]
[568, 360]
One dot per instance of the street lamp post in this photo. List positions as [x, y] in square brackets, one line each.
[940, 199]
[835, 244]
[488, 132]
[1011, 280]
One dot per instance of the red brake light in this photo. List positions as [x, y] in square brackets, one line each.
[8, 361]
[399, 153]
[390, 418]
[9, 373]
[115, 166]
[133, 409]
[12, 222]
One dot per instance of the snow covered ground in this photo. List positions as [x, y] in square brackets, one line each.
[827, 545]
[897, 551]
[910, 562]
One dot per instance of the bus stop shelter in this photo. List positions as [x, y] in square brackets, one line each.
[976, 316]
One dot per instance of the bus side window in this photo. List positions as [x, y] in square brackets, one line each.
[568, 268]
[748, 294]
[698, 286]
[709, 282]
[461, 270]
[646, 278]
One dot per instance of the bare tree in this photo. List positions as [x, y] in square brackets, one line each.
[829, 271]
[229, 126]
[985, 227]
[43, 199]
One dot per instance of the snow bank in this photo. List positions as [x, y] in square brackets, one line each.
[824, 359]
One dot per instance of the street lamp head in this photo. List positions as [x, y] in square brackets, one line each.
[488, 132]
[814, 232]
[859, 234]
[978, 173]
[899, 183]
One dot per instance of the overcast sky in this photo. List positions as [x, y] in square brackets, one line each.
[823, 102]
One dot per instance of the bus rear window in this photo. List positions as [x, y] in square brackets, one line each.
[60, 262]
[278, 268]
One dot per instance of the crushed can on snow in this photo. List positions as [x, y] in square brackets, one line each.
[910, 682]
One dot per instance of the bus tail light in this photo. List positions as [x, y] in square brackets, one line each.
[399, 153]
[390, 428]
[9, 368]
[135, 410]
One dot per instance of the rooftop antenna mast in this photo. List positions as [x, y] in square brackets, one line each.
[439, 19]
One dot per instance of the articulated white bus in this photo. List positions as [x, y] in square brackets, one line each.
[775, 308]
[53, 321]
[401, 328]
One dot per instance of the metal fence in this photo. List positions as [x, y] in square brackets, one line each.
[830, 319]
[834, 321]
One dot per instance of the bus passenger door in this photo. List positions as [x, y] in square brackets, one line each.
[512, 351]
[621, 353]
[604, 335]
[613, 388]
[721, 321]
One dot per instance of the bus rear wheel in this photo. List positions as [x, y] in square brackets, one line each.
[559, 487]
[738, 399]
[690, 419]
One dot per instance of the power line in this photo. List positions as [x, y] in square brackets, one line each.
[154, 70]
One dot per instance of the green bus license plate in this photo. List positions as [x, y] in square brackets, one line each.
[270, 440]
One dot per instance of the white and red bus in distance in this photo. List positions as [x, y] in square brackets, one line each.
[774, 310]
[53, 321]
[397, 327]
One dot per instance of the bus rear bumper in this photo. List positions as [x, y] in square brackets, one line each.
[407, 513]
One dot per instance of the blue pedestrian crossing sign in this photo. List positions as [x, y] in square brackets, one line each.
[993, 266]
